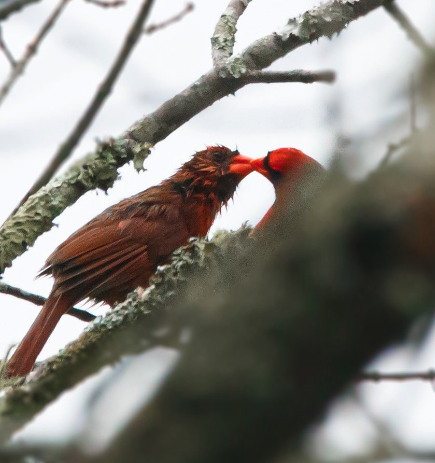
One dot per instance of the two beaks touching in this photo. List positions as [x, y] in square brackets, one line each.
[120, 249]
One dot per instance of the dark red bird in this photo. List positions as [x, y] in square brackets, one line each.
[285, 168]
[121, 248]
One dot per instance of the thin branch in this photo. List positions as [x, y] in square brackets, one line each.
[6, 50]
[107, 4]
[413, 33]
[222, 42]
[299, 75]
[378, 377]
[392, 149]
[19, 293]
[12, 6]
[103, 91]
[156, 27]
[31, 50]
[100, 169]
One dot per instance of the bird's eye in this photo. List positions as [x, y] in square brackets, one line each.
[219, 156]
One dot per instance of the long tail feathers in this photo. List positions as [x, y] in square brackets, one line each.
[25, 356]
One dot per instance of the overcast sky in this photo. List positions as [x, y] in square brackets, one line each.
[368, 106]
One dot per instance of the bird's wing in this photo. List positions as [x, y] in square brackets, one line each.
[110, 257]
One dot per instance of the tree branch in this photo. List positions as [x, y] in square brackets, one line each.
[393, 148]
[156, 27]
[413, 33]
[343, 262]
[378, 377]
[107, 4]
[222, 42]
[31, 50]
[12, 6]
[103, 91]
[270, 354]
[299, 75]
[130, 327]
[6, 50]
[262, 365]
[99, 170]
[323, 21]
[19, 293]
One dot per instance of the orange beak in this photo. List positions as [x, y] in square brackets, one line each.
[241, 165]
[258, 165]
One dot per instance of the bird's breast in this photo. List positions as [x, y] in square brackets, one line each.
[200, 216]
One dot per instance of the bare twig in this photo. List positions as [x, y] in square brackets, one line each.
[11, 6]
[392, 148]
[298, 75]
[103, 91]
[413, 33]
[222, 42]
[107, 4]
[31, 50]
[39, 300]
[156, 27]
[6, 50]
[378, 377]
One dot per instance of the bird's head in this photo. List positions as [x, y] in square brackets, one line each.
[216, 170]
[286, 163]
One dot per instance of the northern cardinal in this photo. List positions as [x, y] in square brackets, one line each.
[121, 248]
[285, 168]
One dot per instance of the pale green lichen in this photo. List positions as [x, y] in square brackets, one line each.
[236, 68]
[223, 38]
[140, 152]
[98, 170]
[324, 20]
[168, 286]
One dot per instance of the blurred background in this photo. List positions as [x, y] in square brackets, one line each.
[366, 109]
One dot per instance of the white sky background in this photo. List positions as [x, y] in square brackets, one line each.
[368, 105]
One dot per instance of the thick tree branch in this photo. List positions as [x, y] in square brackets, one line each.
[19, 293]
[11, 6]
[413, 33]
[324, 21]
[286, 332]
[131, 327]
[268, 357]
[31, 50]
[222, 42]
[103, 91]
[99, 170]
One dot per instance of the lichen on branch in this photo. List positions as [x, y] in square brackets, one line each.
[130, 327]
